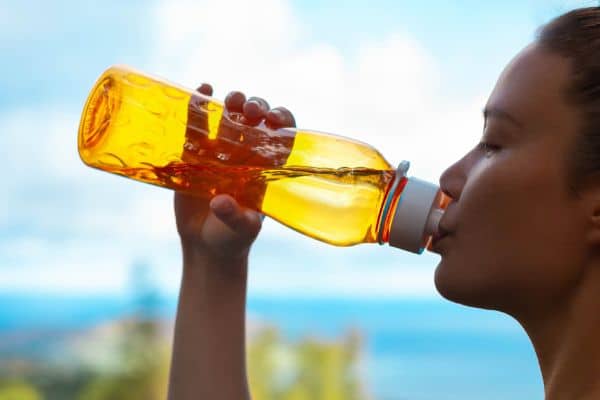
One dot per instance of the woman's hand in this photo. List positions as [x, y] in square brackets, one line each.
[219, 229]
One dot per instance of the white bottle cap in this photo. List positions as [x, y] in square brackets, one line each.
[417, 216]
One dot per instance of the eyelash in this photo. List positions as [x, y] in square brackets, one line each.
[488, 148]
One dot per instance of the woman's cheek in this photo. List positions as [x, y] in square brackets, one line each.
[488, 202]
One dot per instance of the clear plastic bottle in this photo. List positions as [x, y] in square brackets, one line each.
[331, 188]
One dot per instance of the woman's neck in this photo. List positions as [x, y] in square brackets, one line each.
[566, 339]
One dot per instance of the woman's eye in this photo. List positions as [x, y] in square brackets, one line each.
[488, 149]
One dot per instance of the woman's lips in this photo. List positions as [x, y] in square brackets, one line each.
[439, 235]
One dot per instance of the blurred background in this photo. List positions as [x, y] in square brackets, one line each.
[90, 263]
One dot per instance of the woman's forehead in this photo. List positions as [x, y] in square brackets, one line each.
[533, 86]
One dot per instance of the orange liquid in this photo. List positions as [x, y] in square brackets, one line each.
[327, 187]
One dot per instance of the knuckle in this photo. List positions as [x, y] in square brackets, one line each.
[261, 102]
[235, 94]
[287, 116]
[235, 100]
[205, 88]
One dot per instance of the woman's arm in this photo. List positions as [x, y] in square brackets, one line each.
[208, 360]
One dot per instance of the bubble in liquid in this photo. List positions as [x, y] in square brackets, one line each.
[223, 156]
[189, 146]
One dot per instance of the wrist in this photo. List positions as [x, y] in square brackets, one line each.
[214, 266]
[200, 254]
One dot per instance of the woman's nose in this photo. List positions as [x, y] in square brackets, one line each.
[453, 179]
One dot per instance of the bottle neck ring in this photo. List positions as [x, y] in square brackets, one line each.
[389, 200]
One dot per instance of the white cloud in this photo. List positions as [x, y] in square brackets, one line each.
[59, 266]
[40, 142]
[49, 186]
[388, 93]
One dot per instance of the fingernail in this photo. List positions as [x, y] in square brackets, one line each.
[205, 89]
[278, 114]
[260, 101]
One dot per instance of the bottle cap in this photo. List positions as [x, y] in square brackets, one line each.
[417, 215]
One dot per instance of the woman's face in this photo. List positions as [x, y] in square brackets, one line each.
[516, 232]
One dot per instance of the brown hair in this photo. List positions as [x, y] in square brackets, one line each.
[576, 36]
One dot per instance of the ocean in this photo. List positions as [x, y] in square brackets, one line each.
[413, 349]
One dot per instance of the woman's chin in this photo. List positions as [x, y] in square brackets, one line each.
[460, 286]
[445, 283]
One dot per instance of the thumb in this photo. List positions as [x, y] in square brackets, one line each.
[231, 226]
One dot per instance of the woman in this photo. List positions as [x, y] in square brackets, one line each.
[521, 235]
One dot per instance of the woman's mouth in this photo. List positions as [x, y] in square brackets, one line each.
[439, 236]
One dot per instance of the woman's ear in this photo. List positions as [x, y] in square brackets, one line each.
[590, 202]
[593, 234]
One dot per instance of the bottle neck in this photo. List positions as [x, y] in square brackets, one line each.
[415, 217]
[388, 209]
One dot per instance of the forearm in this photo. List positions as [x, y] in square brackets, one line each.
[209, 344]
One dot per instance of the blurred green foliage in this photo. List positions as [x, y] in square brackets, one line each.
[309, 369]
[141, 370]
[18, 391]
[278, 369]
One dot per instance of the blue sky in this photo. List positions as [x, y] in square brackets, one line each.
[428, 67]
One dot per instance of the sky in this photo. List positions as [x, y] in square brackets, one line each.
[408, 77]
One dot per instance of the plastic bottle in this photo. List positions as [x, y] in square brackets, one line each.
[331, 188]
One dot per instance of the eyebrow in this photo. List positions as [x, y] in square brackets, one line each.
[492, 111]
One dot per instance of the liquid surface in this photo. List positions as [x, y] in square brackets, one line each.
[324, 186]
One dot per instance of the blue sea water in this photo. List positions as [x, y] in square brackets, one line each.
[414, 349]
